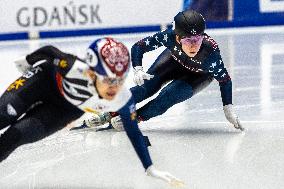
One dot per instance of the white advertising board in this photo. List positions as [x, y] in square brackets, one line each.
[35, 15]
[271, 5]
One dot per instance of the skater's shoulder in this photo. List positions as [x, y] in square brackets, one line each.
[77, 69]
[124, 94]
[210, 44]
[166, 35]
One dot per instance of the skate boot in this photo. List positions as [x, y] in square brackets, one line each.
[91, 120]
[97, 119]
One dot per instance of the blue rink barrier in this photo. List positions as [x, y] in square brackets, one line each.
[103, 31]
[14, 36]
[82, 32]
[245, 23]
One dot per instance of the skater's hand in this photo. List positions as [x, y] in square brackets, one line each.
[165, 176]
[232, 117]
[140, 75]
[116, 123]
[22, 64]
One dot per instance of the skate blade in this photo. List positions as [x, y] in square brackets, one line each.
[92, 129]
[177, 183]
[241, 128]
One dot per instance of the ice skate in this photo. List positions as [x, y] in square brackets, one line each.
[91, 121]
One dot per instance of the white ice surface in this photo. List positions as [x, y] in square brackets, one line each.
[192, 140]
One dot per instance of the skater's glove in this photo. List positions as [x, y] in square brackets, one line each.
[231, 116]
[140, 75]
[22, 64]
[91, 120]
[116, 123]
[165, 176]
[97, 119]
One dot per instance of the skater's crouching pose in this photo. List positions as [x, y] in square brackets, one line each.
[50, 95]
[189, 64]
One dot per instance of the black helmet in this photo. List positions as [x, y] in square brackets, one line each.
[189, 23]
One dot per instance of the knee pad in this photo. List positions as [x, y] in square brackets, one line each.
[11, 108]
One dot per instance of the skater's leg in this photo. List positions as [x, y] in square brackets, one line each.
[163, 70]
[11, 108]
[26, 91]
[39, 122]
[177, 91]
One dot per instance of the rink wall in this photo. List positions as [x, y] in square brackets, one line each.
[32, 19]
[57, 18]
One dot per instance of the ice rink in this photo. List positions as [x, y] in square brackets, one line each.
[192, 140]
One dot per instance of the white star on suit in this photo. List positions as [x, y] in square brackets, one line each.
[213, 65]
[155, 46]
[166, 37]
[147, 42]
[157, 38]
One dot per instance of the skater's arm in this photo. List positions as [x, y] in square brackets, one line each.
[63, 62]
[48, 53]
[226, 92]
[164, 38]
[128, 117]
[219, 72]
[217, 69]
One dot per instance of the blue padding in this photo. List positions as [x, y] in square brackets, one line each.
[122, 30]
[14, 36]
[243, 23]
[103, 31]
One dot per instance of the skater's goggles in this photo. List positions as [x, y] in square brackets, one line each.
[192, 39]
[111, 81]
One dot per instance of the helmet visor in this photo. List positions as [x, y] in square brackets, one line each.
[196, 39]
[116, 81]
